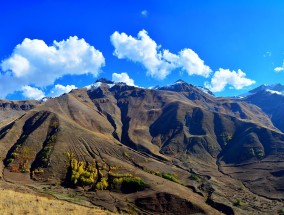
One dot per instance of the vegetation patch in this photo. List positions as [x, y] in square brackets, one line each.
[195, 177]
[256, 152]
[102, 184]
[42, 159]
[18, 160]
[48, 146]
[226, 138]
[168, 176]
[132, 184]
[127, 183]
[125, 154]
[82, 174]
[98, 176]
[238, 203]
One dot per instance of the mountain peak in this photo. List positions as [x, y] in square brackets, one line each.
[265, 89]
[180, 81]
[274, 87]
[104, 80]
[180, 85]
[98, 83]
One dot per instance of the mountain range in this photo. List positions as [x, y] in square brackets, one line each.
[166, 150]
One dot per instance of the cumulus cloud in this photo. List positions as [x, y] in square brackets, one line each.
[32, 93]
[191, 63]
[279, 69]
[224, 77]
[33, 62]
[60, 89]
[158, 62]
[123, 77]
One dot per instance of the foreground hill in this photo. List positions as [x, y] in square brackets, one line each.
[170, 150]
[24, 201]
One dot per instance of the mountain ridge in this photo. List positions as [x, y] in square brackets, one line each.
[177, 142]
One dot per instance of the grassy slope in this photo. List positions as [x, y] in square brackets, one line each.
[13, 202]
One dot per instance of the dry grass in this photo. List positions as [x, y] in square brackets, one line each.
[13, 202]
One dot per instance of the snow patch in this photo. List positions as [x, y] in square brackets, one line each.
[205, 90]
[97, 85]
[275, 92]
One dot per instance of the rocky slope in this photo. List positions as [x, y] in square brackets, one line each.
[270, 98]
[14, 109]
[169, 150]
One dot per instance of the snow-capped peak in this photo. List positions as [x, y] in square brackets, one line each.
[275, 92]
[205, 90]
[172, 86]
[97, 85]
[265, 88]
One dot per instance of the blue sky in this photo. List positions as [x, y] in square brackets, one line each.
[228, 46]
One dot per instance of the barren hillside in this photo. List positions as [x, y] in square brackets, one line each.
[127, 149]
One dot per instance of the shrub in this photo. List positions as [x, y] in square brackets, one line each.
[116, 183]
[132, 184]
[126, 183]
[259, 153]
[195, 177]
[251, 152]
[14, 155]
[102, 185]
[170, 177]
[10, 160]
[119, 175]
[153, 172]
[45, 152]
[256, 152]
[38, 170]
[238, 203]
[82, 174]
[125, 154]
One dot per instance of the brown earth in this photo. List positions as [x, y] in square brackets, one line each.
[225, 155]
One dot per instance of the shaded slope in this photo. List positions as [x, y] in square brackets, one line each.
[87, 142]
[183, 136]
[271, 103]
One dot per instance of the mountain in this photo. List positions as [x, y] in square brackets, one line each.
[182, 86]
[10, 110]
[265, 87]
[270, 98]
[175, 149]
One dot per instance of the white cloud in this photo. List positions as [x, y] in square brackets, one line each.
[279, 69]
[144, 13]
[32, 93]
[123, 77]
[60, 89]
[191, 63]
[33, 62]
[224, 77]
[159, 63]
